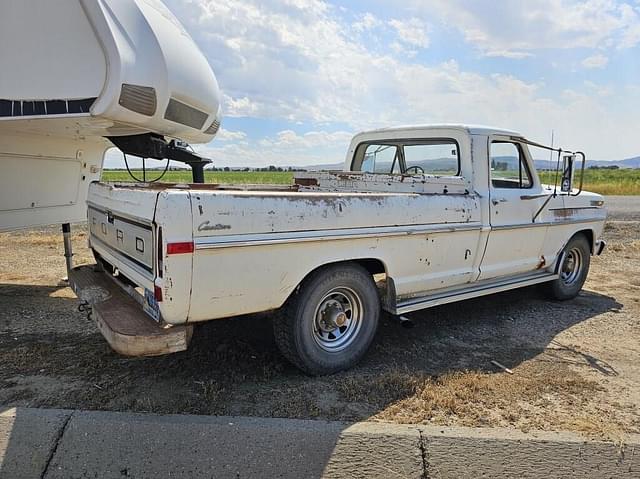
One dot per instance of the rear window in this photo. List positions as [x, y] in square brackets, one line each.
[430, 157]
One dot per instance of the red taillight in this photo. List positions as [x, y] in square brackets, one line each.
[157, 293]
[180, 248]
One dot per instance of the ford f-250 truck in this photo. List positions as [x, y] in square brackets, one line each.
[420, 216]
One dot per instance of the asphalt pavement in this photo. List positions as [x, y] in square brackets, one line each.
[623, 208]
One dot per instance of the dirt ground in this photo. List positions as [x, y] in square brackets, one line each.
[575, 364]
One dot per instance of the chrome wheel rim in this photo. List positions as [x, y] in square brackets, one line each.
[571, 266]
[337, 319]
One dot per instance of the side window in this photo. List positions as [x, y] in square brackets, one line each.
[508, 166]
[441, 158]
[381, 159]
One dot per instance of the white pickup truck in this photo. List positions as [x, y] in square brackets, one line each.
[420, 216]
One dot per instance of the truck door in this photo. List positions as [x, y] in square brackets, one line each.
[515, 243]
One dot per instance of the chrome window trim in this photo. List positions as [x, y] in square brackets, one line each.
[240, 240]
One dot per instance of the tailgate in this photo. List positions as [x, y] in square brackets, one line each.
[146, 233]
[131, 238]
[121, 224]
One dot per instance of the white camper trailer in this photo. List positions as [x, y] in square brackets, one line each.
[81, 76]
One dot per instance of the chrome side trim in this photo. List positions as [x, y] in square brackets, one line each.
[145, 222]
[472, 291]
[229, 241]
[546, 223]
[565, 208]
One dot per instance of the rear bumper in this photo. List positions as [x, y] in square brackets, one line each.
[599, 247]
[121, 320]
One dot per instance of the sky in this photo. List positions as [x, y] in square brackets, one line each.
[300, 77]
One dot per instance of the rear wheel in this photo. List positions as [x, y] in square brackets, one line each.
[576, 257]
[329, 323]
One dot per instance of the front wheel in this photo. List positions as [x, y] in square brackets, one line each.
[576, 257]
[329, 323]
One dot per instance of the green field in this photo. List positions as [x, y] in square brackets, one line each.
[184, 176]
[606, 182]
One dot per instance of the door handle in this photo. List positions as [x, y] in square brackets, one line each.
[495, 201]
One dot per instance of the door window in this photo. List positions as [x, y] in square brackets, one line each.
[508, 166]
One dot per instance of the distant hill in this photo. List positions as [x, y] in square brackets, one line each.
[325, 167]
[627, 163]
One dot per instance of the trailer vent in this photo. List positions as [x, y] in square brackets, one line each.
[213, 128]
[141, 99]
[44, 107]
[185, 114]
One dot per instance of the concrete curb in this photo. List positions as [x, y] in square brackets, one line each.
[61, 444]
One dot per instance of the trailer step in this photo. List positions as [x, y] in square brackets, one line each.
[121, 320]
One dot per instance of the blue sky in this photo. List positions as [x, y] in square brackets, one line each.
[299, 77]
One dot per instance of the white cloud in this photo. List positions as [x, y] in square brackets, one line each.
[311, 139]
[511, 29]
[631, 35]
[595, 61]
[226, 135]
[412, 32]
[286, 148]
[516, 55]
[367, 22]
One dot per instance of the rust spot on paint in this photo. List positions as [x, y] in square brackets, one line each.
[306, 181]
[542, 262]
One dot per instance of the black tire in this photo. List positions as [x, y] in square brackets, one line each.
[303, 327]
[573, 271]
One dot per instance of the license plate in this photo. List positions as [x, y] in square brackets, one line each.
[151, 305]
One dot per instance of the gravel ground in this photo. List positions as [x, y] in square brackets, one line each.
[574, 363]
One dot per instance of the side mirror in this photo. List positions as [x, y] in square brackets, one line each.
[567, 173]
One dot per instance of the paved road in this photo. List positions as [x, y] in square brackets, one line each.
[623, 208]
[61, 444]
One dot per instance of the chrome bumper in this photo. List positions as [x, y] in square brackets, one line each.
[599, 247]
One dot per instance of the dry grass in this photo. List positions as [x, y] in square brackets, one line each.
[49, 239]
[538, 396]
[632, 246]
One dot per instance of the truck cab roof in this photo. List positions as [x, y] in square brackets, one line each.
[470, 129]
